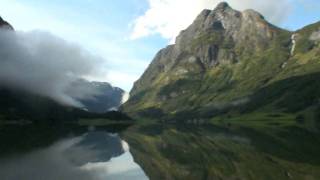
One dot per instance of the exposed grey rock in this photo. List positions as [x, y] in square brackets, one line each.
[222, 6]
[210, 40]
[315, 36]
[224, 28]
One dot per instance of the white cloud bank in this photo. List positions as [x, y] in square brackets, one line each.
[169, 17]
[46, 65]
[97, 35]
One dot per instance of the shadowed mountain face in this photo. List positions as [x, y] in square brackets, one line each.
[107, 97]
[5, 24]
[220, 61]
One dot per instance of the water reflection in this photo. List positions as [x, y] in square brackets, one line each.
[92, 156]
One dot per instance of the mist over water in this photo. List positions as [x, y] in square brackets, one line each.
[93, 156]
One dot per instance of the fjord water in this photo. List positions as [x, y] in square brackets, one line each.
[91, 156]
[225, 151]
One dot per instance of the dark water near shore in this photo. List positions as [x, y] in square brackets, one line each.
[94, 155]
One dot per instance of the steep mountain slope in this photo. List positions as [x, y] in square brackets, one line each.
[5, 24]
[226, 59]
[108, 98]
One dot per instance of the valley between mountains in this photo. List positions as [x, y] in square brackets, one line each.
[234, 98]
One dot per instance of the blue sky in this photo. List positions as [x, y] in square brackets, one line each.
[128, 33]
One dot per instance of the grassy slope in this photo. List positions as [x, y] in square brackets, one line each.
[219, 84]
[218, 88]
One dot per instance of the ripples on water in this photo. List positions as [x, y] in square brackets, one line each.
[92, 156]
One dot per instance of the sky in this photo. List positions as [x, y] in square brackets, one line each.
[127, 34]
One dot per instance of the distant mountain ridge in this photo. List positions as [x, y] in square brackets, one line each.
[109, 97]
[221, 61]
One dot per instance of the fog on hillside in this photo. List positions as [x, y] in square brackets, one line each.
[43, 64]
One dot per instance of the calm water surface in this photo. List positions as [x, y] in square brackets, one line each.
[92, 156]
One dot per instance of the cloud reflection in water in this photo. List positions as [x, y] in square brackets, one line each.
[93, 156]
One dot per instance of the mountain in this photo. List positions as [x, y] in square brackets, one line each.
[108, 97]
[230, 61]
[234, 98]
[5, 24]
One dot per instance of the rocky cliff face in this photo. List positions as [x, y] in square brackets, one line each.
[215, 37]
[221, 59]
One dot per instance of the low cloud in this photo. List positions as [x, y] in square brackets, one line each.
[169, 17]
[43, 64]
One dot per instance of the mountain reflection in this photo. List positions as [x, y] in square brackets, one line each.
[92, 156]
